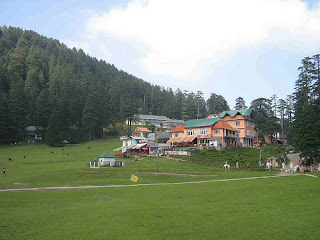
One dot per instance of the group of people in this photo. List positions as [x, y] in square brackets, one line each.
[226, 166]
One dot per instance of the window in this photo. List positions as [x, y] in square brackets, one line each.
[204, 141]
[203, 131]
[238, 132]
[253, 124]
[248, 132]
[248, 124]
[216, 131]
[237, 123]
[190, 132]
[253, 133]
[176, 135]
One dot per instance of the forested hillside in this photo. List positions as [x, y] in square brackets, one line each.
[71, 95]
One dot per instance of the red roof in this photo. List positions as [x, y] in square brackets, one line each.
[142, 129]
[223, 125]
[177, 129]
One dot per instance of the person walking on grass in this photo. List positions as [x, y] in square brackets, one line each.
[4, 172]
[248, 166]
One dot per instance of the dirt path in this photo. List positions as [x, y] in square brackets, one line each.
[175, 174]
[139, 185]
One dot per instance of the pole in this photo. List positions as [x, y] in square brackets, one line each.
[260, 157]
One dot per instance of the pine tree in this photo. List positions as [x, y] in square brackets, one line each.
[17, 108]
[91, 117]
[305, 129]
[4, 119]
[240, 104]
[217, 104]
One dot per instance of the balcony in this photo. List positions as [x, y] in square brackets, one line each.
[231, 135]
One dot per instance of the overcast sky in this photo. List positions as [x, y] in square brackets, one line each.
[247, 48]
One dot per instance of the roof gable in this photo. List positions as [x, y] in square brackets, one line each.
[232, 113]
[141, 129]
[223, 125]
[177, 129]
[107, 155]
[204, 122]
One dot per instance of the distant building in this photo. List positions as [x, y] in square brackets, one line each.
[158, 121]
[204, 132]
[106, 160]
[32, 132]
[231, 128]
[144, 132]
[164, 137]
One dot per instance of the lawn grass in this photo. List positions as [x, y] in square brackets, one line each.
[233, 155]
[68, 167]
[278, 208]
[274, 208]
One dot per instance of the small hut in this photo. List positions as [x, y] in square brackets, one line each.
[107, 159]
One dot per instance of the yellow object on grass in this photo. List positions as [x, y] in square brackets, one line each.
[134, 178]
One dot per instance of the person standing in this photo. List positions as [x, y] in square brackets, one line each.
[248, 166]
[4, 172]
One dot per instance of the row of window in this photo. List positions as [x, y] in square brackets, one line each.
[237, 123]
[202, 131]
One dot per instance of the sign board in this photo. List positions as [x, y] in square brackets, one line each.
[184, 153]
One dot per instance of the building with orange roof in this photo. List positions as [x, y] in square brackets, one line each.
[242, 121]
[143, 132]
[176, 134]
[204, 132]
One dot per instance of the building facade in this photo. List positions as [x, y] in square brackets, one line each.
[241, 120]
[210, 132]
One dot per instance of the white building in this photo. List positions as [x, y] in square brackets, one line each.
[158, 121]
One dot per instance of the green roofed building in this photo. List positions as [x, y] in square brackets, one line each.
[107, 159]
[205, 122]
[107, 155]
[242, 121]
[232, 113]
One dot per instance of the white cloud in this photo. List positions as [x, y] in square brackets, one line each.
[183, 36]
[207, 45]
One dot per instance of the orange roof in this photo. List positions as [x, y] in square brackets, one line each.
[177, 129]
[142, 129]
[223, 125]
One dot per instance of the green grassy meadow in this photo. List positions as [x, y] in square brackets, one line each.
[68, 167]
[273, 208]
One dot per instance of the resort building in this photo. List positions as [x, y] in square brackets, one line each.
[210, 132]
[241, 120]
[231, 128]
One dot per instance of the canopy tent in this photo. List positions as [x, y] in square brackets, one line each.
[174, 140]
[138, 146]
[187, 139]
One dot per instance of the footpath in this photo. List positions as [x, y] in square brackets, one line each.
[147, 184]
